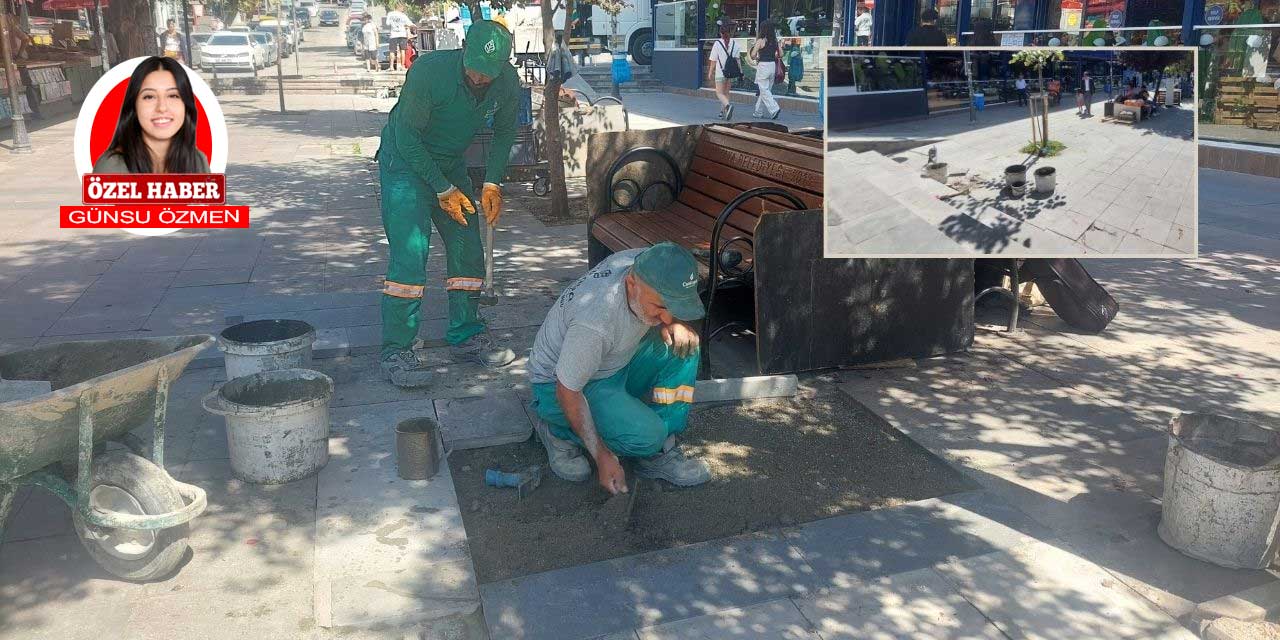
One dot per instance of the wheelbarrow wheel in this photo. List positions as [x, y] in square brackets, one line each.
[541, 186]
[123, 481]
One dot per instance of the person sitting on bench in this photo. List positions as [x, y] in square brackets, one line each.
[613, 369]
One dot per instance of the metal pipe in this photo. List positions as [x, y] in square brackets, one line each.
[21, 140]
[279, 57]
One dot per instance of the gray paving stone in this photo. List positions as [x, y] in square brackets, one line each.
[776, 620]
[227, 274]
[645, 590]
[1072, 598]
[473, 423]
[326, 318]
[915, 604]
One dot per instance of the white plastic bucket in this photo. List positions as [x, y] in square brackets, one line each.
[1222, 490]
[266, 345]
[277, 423]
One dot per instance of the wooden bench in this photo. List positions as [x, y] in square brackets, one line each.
[588, 45]
[752, 196]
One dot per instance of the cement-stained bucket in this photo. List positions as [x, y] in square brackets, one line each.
[1221, 499]
[277, 423]
[266, 345]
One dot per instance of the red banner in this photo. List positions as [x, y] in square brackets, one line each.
[153, 188]
[153, 216]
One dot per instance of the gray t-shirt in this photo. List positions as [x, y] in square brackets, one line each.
[590, 333]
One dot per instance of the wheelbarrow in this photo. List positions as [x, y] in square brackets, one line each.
[129, 513]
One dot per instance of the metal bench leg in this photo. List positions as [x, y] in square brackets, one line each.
[1011, 293]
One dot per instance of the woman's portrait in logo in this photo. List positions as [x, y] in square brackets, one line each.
[156, 131]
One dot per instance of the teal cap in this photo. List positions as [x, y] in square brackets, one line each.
[673, 273]
[487, 48]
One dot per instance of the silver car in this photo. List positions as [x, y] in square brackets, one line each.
[232, 51]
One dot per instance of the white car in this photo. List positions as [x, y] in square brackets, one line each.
[268, 45]
[311, 6]
[231, 51]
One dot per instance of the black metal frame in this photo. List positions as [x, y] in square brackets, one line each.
[1011, 293]
[736, 276]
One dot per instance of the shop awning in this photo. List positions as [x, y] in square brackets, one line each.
[71, 5]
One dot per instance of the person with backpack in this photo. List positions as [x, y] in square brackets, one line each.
[767, 54]
[724, 67]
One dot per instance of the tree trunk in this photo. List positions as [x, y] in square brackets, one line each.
[551, 115]
[132, 25]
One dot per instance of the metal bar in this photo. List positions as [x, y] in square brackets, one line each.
[84, 466]
[1013, 286]
[6, 503]
[714, 258]
[162, 410]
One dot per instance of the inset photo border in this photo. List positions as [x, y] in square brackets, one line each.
[942, 152]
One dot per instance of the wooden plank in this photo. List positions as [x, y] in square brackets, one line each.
[743, 181]
[805, 147]
[759, 157]
[743, 218]
[779, 135]
[603, 233]
[610, 222]
[796, 177]
[725, 192]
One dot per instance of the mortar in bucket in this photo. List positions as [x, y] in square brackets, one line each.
[266, 345]
[417, 448]
[277, 423]
[1221, 500]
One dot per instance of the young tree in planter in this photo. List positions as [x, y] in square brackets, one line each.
[1037, 60]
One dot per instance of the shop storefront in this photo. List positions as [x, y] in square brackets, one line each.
[1239, 40]
[872, 88]
[685, 31]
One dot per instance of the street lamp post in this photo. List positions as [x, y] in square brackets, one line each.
[279, 57]
[21, 141]
[968, 76]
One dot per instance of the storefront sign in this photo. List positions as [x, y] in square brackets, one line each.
[1072, 14]
[1016, 39]
[1116, 19]
[1214, 13]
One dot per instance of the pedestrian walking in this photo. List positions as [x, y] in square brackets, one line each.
[724, 66]
[795, 65]
[398, 24]
[1086, 85]
[767, 53]
[369, 42]
[862, 27]
[448, 95]
[171, 42]
[1021, 85]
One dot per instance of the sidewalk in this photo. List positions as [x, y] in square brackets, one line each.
[1060, 432]
[1123, 190]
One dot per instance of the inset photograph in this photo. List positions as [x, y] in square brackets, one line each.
[1015, 152]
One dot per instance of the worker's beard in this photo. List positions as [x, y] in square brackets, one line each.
[633, 301]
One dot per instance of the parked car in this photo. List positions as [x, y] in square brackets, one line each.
[197, 44]
[303, 18]
[311, 7]
[231, 51]
[240, 28]
[267, 42]
[353, 34]
[329, 18]
[288, 35]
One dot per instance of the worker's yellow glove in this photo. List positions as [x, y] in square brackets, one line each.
[454, 202]
[491, 202]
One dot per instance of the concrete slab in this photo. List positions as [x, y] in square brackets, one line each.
[915, 604]
[496, 419]
[1042, 591]
[388, 551]
[776, 620]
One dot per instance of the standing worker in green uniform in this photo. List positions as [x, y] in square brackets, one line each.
[448, 96]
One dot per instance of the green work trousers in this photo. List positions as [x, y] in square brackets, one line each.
[635, 409]
[409, 208]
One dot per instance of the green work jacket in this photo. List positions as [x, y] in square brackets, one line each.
[437, 116]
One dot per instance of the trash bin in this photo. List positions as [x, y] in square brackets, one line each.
[979, 101]
[1222, 490]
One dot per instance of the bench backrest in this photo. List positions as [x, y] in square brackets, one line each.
[728, 161]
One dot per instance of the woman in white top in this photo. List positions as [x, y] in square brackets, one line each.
[766, 52]
[722, 50]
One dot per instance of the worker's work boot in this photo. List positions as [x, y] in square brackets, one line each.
[672, 465]
[405, 370]
[481, 349]
[565, 458]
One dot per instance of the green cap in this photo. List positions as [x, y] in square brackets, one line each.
[673, 273]
[487, 48]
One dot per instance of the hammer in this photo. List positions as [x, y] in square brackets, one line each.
[487, 296]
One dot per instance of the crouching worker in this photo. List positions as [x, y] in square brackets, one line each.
[613, 369]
